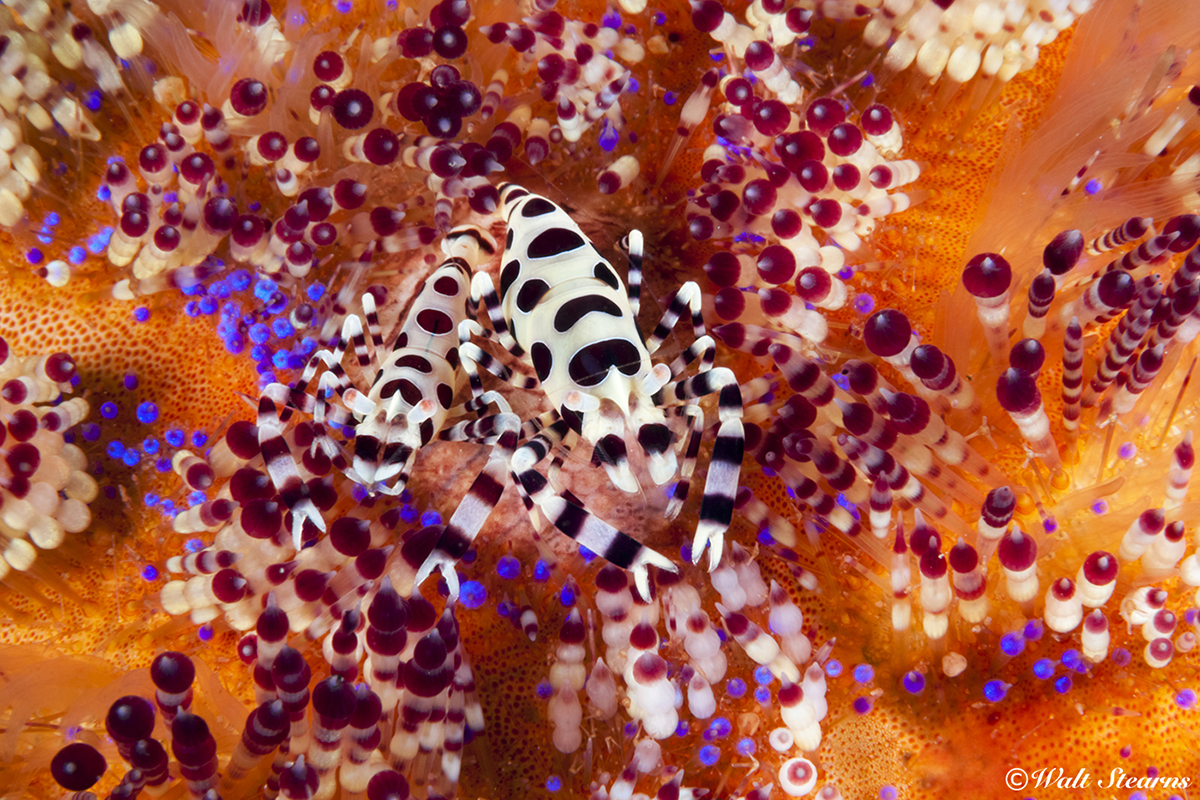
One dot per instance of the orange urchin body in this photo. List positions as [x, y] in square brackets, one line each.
[943, 743]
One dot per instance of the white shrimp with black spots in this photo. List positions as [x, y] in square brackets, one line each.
[409, 400]
[563, 308]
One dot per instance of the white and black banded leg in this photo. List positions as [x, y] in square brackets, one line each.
[356, 337]
[403, 455]
[554, 432]
[355, 402]
[556, 436]
[568, 438]
[611, 453]
[702, 349]
[687, 465]
[724, 469]
[287, 397]
[570, 517]
[299, 391]
[355, 399]
[373, 326]
[476, 506]
[281, 466]
[534, 425]
[482, 289]
[472, 356]
[656, 439]
[335, 378]
[609, 450]
[688, 298]
[480, 402]
[323, 416]
[720, 488]
[590, 531]
[484, 430]
[330, 356]
[632, 244]
[529, 429]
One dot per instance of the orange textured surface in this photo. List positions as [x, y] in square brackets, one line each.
[946, 743]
